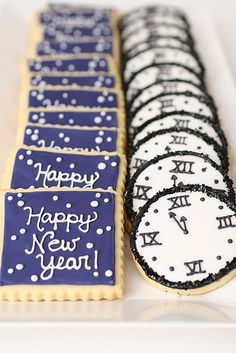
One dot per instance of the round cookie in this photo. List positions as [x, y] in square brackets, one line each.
[183, 240]
[154, 20]
[144, 33]
[153, 74]
[172, 140]
[171, 170]
[190, 121]
[166, 87]
[175, 103]
[160, 42]
[162, 56]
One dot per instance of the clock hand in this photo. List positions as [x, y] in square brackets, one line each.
[181, 222]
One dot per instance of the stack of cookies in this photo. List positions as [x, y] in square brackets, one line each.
[63, 215]
[179, 200]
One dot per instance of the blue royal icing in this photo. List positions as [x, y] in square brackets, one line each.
[94, 64]
[99, 46]
[106, 81]
[99, 118]
[72, 98]
[59, 237]
[71, 139]
[34, 169]
[81, 18]
[60, 33]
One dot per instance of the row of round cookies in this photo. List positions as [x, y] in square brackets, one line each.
[180, 202]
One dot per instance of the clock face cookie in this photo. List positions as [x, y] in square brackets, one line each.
[165, 141]
[157, 42]
[143, 34]
[172, 170]
[175, 103]
[162, 55]
[177, 121]
[165, 87]
[184, 239]
[152, 74]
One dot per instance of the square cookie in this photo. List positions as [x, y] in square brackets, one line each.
[60, 244]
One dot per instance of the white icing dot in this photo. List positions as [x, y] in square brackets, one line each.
[65, 95]
[61, 116]
[113, 164]
[108, 273]
[68, 205]
[98, 139]
[34, 116]
[71, 67]
[72, 165]
[101, 166]
[65, 81]
[96, 274]
[102, 113]
[20, 203]
[33, 93]
[98, 194]
[55, 198]
[106, 158]
[71, 121]
[61, 135]
[19, 267]
[110, 98]
[13, 237]
[30, 162]
[58, 159]
[28, 152]
[31, 187]
[42, 121]
[10, 271]
[89, 245]
[19, 194]
[73, 101]
[108, 228]
[106, 200]
[94, 204]
[22, 231]
[21, 157]
[109, 117]
[34, 278]
[97, 120]
[100, 99]
[40, 96]
[101, 133]
[99, 231]
[109, 139]
[10, 198]
[34, 137]
[28, 131]
[67, 139]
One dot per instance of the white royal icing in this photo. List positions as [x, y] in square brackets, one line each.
[170, 103]
[161, 55]
[178, 121]
[152, 74]
[165, 87]
[173, 171]
[188, 235]
[143, 34]
[171, 142]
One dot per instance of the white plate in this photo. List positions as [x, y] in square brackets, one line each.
[143, 304]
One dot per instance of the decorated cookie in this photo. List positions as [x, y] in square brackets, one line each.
[76, 118]
[60, 33]
[173, 103]
[172, 140]
[73, 98]
[165, 87]
[159, 42]
[106, 81]
[153, 20]
[162, 56]
[90, 64]
[93, 139]
[172, 239]
[97, 46]
[142, 34]
[61, 237]
[153, 74]
[43, 168]
[172, 170]
[181, 121]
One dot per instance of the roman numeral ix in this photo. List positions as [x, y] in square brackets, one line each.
[149, 239]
